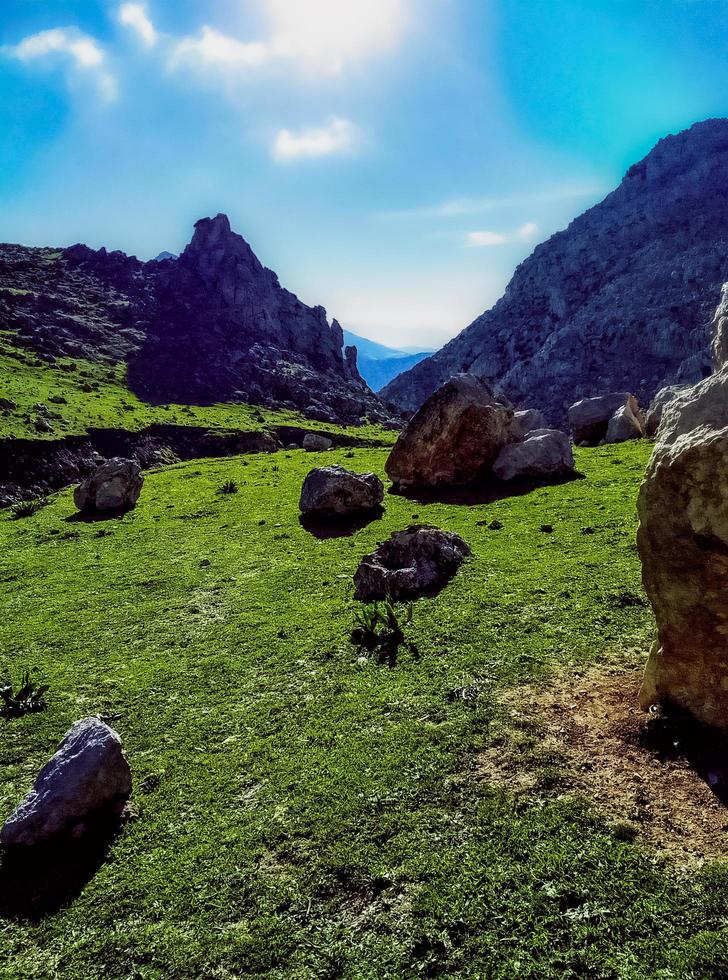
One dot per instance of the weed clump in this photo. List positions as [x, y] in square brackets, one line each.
[29, 697]
[26, 508]
[229, 486]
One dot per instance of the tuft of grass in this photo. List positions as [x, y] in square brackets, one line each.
[27, 699]
[26, 508]
[229, 486]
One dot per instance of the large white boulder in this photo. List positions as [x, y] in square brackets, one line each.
[335, 491]
[87, 777]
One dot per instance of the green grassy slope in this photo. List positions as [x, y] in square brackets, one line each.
[96, 396]
[303, 811]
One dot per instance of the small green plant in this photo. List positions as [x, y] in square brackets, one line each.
[26, 508]
[380, 626]
[29, 697]
[229, 486]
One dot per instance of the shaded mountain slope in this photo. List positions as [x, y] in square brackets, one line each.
[623, 298]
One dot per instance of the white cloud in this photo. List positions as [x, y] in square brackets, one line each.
[322, 36]
[135, 17]
[326, 35]
[529, 230]
[211, 49]
[340, 136]
[482, 205]
[84, 53]
[480, 239]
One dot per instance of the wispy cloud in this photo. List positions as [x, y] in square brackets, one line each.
[219, 52]
[135, 17]
[84, 54]
[482, 205]
[340, 136]
[483, 239]
[321, 36]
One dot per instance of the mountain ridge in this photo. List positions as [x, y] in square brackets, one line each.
[621, 298]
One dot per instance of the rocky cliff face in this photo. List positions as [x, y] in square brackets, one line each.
[212, 325]
[622, 299]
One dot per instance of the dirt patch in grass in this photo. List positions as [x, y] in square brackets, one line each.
[656, 776]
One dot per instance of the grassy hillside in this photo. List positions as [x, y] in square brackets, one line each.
[96, 395]
[304, 811]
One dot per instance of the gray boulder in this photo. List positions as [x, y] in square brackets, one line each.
[115, 485]
[589, 418]
[454, 438]
[526, 421]
[87, 777]
[625, 425]
[412, 563]
[335, 491]
[315, 443]
[543, 453]
[661, 400]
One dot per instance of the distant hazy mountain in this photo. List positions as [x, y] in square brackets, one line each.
[163, 256]
[620, 300]
[379, 364]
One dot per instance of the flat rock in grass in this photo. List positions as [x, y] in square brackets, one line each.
[544, 453]
[115, 485]
[335, 491]
[88, 777]
[418, 561]
[315, 443]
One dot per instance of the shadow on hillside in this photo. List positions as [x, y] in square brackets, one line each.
[37, 881]
[472, 494]
[339, 527]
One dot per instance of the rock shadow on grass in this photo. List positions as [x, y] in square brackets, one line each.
[37, 881]
[324, 528]
[481, 492]
[94, 516]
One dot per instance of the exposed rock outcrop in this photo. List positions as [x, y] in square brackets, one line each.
[622, 299]
[338, 492]
[454, 438]
[683, 544]
[115, 485]
[412, 563]
[212, 325]
[315, 443]
[88, 778]
[543, 453]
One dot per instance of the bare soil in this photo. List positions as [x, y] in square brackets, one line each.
[656, 776]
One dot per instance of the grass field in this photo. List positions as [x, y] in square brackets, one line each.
[302, 810]
[96, 396]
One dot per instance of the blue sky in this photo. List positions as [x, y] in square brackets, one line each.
[393, 160]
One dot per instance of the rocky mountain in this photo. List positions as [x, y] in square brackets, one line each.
[621, 299]
[212, 325]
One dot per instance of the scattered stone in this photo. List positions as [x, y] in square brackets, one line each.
[547, 528]
[335, 491]
[204, 563]
[43, 425]
[543, 453]
[115, 485]
[454, 438]
[418, 561]
[589, 418]
[495, 526]
[7, 405]
[683, 544]
[88, 777]
[315, 443]
[58, 400]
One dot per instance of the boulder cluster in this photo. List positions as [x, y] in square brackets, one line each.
[466, 433]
